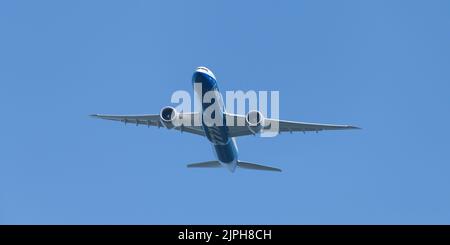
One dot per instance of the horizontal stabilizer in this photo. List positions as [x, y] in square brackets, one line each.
[209, 164]
[248, 165]
[240, 164]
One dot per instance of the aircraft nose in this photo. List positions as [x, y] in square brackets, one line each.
[202, 68]
[205, 70]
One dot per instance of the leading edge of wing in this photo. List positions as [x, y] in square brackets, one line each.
[125, 117]
[320, 126]
[148, 120]
[236, 117]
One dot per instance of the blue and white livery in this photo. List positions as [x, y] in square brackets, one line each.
[222, 136]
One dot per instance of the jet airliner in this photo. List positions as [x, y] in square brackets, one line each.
[221, 137]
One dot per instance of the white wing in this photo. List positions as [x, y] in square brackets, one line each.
[283, 126]
[152, 120]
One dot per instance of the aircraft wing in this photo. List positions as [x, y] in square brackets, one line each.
[151, 120]
[283, 126]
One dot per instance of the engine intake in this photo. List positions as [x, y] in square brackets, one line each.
[255, 121]
[167, 115]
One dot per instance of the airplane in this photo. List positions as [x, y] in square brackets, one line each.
[222, 137]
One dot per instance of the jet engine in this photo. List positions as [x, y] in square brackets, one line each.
[254, 121]
[167, 115]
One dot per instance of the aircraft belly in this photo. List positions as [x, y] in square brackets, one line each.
[225, 153]
[224, 146]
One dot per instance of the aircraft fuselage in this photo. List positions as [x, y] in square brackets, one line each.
[224, 146]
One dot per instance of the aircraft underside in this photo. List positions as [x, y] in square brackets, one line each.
[222, 137]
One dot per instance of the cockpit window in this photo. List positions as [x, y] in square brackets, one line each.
[206, 70]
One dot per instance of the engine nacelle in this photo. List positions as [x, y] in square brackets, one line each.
[255, 121]
[167, 116]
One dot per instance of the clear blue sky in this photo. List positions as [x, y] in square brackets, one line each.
[381, 65]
